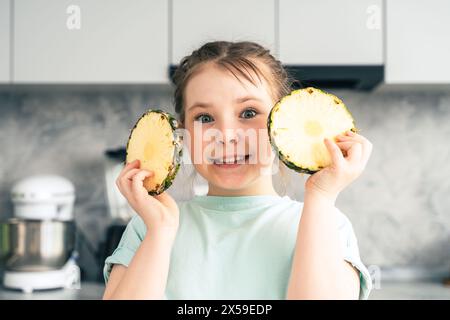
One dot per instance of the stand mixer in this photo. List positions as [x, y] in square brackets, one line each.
[38, 243]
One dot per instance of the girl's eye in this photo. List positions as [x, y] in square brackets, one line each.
[203, 118]
[248, 113]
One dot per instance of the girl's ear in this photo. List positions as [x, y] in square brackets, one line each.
[181, 123]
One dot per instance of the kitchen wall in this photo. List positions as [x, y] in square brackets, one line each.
[399, 207]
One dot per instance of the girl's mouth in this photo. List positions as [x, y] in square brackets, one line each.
[230, 162]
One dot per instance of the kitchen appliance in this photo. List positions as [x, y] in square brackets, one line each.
[120, 211]
[37, 247]
[43, 197]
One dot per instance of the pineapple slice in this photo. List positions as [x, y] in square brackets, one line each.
[298, 124]
[155, 143]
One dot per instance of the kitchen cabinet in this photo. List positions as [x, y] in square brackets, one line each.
[87, 41]
[418, 42]
[4, 41]
[197, 21]
[323, 32]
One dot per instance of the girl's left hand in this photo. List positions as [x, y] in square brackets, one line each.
[349, 155]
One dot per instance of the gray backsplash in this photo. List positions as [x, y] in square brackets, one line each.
[399, 207]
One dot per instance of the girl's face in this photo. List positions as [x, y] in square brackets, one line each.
[227, 122]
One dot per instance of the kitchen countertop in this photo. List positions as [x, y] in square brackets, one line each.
[88, 291]
[402, 290]
[388, 291]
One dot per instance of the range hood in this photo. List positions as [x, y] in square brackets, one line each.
[321, 43]
[355, 77]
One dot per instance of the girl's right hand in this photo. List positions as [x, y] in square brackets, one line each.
[160, 213]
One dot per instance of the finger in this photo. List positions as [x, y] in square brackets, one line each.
[354, 154]
[351, 136]
[129, 166]
[124, 176]
[366, 148]
[137, 184]
[124, 183]
[345, 137]
[335, 153]
[128, 176]
[167, 201]
[134, 162]
[366, 144]
[345, 145]
[126, 179]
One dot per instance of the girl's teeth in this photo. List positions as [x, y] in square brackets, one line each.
[229, 160]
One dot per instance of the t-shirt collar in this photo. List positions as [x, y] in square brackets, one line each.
[232, 203]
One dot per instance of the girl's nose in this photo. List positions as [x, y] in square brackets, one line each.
[227, 132]
[228, 136]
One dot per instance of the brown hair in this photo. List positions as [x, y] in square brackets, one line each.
[237, 57]
[240, 58]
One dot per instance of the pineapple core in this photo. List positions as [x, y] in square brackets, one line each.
[148, 151]
[313, 128]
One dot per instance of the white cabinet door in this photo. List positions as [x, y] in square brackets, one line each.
[418, 41]
[4, 41]
[327, 32]
[195, 22]
[91, 41]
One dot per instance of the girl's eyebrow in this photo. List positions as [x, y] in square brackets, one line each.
[247, 98]
[199, 105]
[238, 100]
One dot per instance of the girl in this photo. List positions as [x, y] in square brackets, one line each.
[242, 240]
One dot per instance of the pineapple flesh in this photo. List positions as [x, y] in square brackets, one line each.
[300, 121]
[154, 142]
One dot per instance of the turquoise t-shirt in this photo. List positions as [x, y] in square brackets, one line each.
[234, 248]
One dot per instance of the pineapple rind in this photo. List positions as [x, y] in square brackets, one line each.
[283, 157]
[174, 167]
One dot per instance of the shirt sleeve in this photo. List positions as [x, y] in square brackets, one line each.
[351, 254]
[127, 247]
